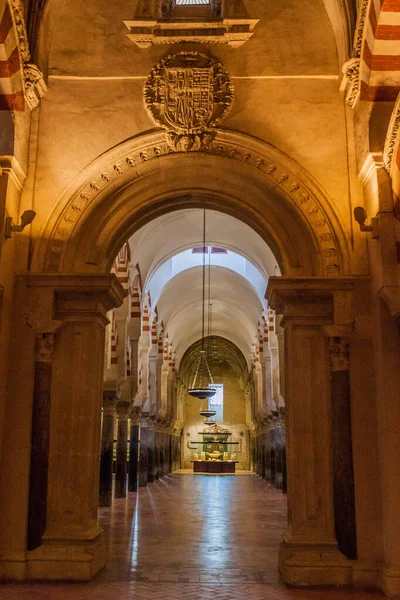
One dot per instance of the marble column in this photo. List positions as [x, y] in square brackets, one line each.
[107, 448]
[268, 455]
[73, 547]
[133, 453]
[122, 450]
[309, 552]
[343, 476]
[144, 453]
[170, 448]
[156, 455]
[40, 440]
[150, 452]
[262, 458]
[161, 454]
[272, 455]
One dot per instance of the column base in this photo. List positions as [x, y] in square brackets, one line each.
[67, 561]
[389, 577]
[308, 565]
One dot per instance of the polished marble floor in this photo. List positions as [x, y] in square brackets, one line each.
[193, 538]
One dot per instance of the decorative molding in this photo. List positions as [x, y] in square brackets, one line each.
[32, 78]
[187, 94]
[392, 137]
[224, 144]
[351, 80]
[360, 28]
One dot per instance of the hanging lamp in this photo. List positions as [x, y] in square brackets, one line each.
[202, 373]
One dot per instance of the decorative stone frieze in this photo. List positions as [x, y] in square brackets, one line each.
[222, 143]
[392, 138]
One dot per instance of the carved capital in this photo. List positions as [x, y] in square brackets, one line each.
[134, 415]
[339, 353]
[35, 86]
[109, 405]
[351, 80]
[123, 411]
[44, 347]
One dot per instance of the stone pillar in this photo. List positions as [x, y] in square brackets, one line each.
[73, 546]
[309, 552]
[122, 450]
[268, 455]
[150, 452]
[262, 457]
[40, 440]
[144, 452]
[133, 452]
[156, 455]
[161, 454]
[272, 455]
[170, 449]
[107, 448]
[343, 476]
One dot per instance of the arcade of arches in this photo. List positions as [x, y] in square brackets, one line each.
[122, 125]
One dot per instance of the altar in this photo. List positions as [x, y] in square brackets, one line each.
[215, 453]
[211, 466]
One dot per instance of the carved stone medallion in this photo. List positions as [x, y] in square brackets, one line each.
[188, 93]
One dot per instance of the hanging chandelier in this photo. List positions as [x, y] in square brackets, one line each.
[200, 386]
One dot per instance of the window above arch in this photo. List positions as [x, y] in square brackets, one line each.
[198, 21]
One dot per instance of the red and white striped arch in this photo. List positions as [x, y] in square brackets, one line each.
[11, 77]
[380, 51]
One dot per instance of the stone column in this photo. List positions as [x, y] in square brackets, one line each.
[268, 455]
[133, 452]
[309, 552]
[150, 451]
[161, 454]
[44, 348]
[144, 452]
[72, 546]
[122, 450]
[156, 455]
[107, 448]
[272, 454]
[170, 449]
[343, 476]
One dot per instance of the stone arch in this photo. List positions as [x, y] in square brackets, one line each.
[143, 178]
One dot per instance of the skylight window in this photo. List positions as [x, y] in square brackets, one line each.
[191, 2]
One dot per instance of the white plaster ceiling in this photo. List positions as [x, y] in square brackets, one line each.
[169, 235]
[237, 304]
[236, 309]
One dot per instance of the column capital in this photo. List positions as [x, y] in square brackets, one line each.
[313, 298]
[44, 347]
[109, 403]
[123, 411]
[67, 296]
[135, 415]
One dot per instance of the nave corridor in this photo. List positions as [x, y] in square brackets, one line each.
[190, 536]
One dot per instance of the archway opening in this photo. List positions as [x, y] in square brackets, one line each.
[152, 347]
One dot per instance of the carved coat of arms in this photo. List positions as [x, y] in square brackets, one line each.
[188, 93]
